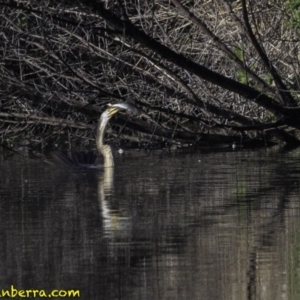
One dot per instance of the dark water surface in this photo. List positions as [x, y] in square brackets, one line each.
[160, 226]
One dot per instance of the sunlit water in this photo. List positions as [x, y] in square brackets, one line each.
[222, 225]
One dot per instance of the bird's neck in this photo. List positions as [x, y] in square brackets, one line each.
[106, 151]
[103, 149]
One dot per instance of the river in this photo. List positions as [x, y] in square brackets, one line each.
[202, 225]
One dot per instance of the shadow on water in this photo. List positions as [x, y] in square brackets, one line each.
[183, 226]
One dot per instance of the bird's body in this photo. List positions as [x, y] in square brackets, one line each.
[87, 159]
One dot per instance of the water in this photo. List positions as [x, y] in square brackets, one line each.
[219, 225]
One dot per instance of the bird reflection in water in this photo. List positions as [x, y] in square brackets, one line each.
[117, 225]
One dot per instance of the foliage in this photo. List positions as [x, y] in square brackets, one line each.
[202, 73]
[293, 8]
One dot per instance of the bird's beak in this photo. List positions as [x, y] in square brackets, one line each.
[125, 106]
[112, 111]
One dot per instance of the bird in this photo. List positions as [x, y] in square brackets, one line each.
[87, 159]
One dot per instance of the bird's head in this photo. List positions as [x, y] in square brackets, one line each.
[113, 109]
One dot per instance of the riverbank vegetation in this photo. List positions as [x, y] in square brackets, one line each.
[203, 72]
